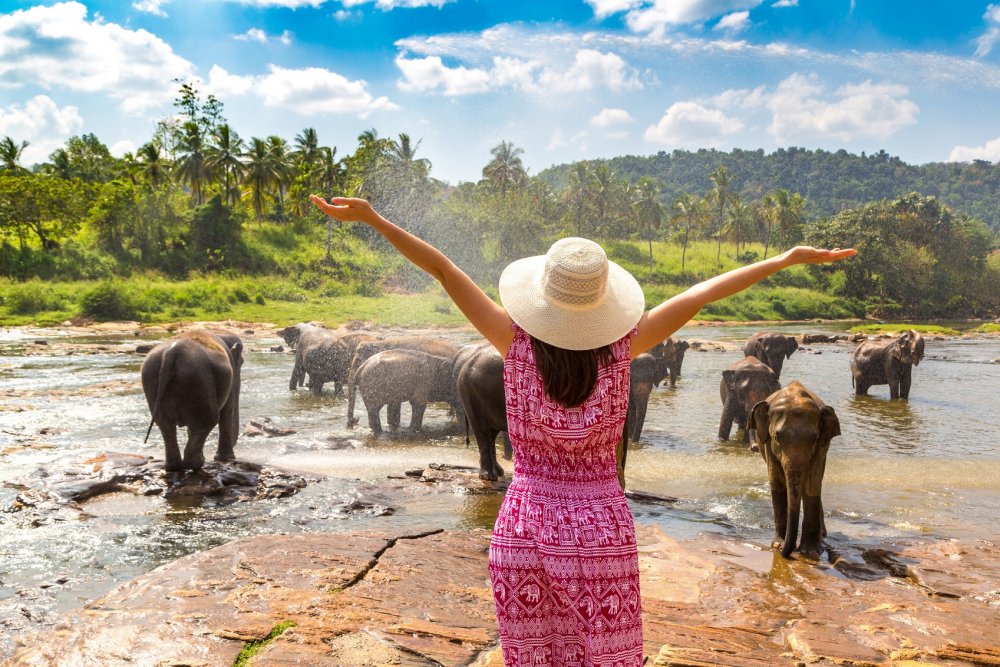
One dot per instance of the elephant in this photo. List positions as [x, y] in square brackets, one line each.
[744, 383]
[393, 376]
[887, 362]
[292, 334]
[193, 380]
[648, 370]
[772, 349]
[478, 371]
[794, 428]
[325, 356]
[364, 350]
[673, 354]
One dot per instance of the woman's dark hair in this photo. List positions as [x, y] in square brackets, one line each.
[569, 376]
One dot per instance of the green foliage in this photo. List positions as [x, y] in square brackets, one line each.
[32, 297]
[216, 236]
[905, 326]
[111, 300]
[988, 327]
[251, 648]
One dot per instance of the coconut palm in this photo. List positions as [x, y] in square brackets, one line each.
[281, 165]
[59, 164]
[152, 164]
[505, 170]
[575, 194]
[688, 217]
[10, 154]
[307, 150]
[740, 221]
[785, 210]
[224, 157]
[190, 167]
[648, 210]
[721, 195]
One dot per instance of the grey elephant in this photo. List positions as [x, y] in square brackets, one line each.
[772, 349]
[887, 362]
[794, 428]
[673, 353]
[391, 377]
[744, 383]
[479, 383]
[193, 380]
[366, 349]
[325, 356]
[291, 334]
[648, 370]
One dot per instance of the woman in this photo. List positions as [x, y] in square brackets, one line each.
[563, 559]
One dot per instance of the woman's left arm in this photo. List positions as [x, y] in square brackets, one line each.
[488, 317]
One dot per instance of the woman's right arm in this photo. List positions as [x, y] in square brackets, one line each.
[488, 317]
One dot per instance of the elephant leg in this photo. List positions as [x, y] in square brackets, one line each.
[725, 424]
[374, 422]
[779, 501]
[228, 431]
[194, 450]
[297, 375]
[489, 469]
[417, 415]
[811, 542]
[338, 389]
[640, 418]
[172, 459]
[508, 451]
[315, 386]
[904, 387]
[893, 387]
[392, 415]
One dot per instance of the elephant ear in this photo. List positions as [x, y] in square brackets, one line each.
[916, 347]
[760, 418]
[729, 377]
[682, 345]
[829, 424]
[899, 347]
[791, 346]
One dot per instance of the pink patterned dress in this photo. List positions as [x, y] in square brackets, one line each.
[563, 559]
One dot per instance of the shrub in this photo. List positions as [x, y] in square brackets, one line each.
[108, 301]
[31, 298]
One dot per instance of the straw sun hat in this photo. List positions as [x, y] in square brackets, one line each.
[572, 297]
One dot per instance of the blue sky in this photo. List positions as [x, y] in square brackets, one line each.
[562, 79]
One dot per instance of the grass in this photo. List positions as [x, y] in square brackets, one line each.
[253, 647]
[988, 327]
[896, 328]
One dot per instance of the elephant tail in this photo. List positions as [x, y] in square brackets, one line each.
[163, 379]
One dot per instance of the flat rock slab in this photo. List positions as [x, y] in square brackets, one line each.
[424, 599]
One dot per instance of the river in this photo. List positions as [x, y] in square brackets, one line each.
[927, 467]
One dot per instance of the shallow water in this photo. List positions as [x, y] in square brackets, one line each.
[926, 467]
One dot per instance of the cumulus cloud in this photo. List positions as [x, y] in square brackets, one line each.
[42, 123]
[990, 151]
[691, 124]
[656, 16]
[119, 148]
[289, 4]
[308, 92]
[988, 39]
[151, 6]
[388, 5]
[735, 22]
[786, 3]
[56, 47]
[258, 35]
[609, 117]
[604, 8]
[590, 70]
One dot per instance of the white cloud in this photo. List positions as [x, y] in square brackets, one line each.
[42, 123]
[735, 22]
[121, 147]
[430, 73]
[151, 6]
[307, 92]
[604, 8]
[342, 15]
[691, 124]
[389, 5]
[990, 151]
[289, 4]
[655, 17]
[609, 117]
[557, 140]
[857, 110]
[258, 35]
[786, 3]
[56, 47]
[988, 40]
[590, 70]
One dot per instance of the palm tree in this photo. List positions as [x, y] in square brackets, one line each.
[307, 151]
[506, 169]
[59, 164]
[10, 154]
[224, 157]
[152, 164]
[190, 167]
[258, 176]
[740, 221]
[403, 154]
[721, 195]
[575, 193]
[689, 213]
[604, 192]
[281, 166]
[648, 210]
[785, 210]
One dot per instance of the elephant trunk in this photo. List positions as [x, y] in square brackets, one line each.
[793, 485]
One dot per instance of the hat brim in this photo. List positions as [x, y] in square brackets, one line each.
[571, 329]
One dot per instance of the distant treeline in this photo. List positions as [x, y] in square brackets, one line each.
[198, 199]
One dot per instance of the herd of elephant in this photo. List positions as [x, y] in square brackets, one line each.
[193, 380]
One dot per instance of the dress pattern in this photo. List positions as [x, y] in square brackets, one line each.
[563, 561]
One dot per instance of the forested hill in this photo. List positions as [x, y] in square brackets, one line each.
[830, 182]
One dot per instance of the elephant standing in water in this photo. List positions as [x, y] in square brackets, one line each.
[794, 428]
[478, 372]
[193, 380]
[648, 370]
[673, 353]
[744, 383]
[324, 355]
[389, 378]
[887, 362]
[772, 349]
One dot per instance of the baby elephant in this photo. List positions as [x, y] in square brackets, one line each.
[887, 362]
[193, 380]
[743, 384]
[794, 429]
[391, 377]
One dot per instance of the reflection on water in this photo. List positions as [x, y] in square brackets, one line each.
[927, 466]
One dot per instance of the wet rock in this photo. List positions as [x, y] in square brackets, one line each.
[414, 472]
[145, 348]
[267, 427]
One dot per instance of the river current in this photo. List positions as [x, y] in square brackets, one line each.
[927, 467]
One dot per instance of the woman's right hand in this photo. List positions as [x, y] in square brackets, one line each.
[345, 209]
